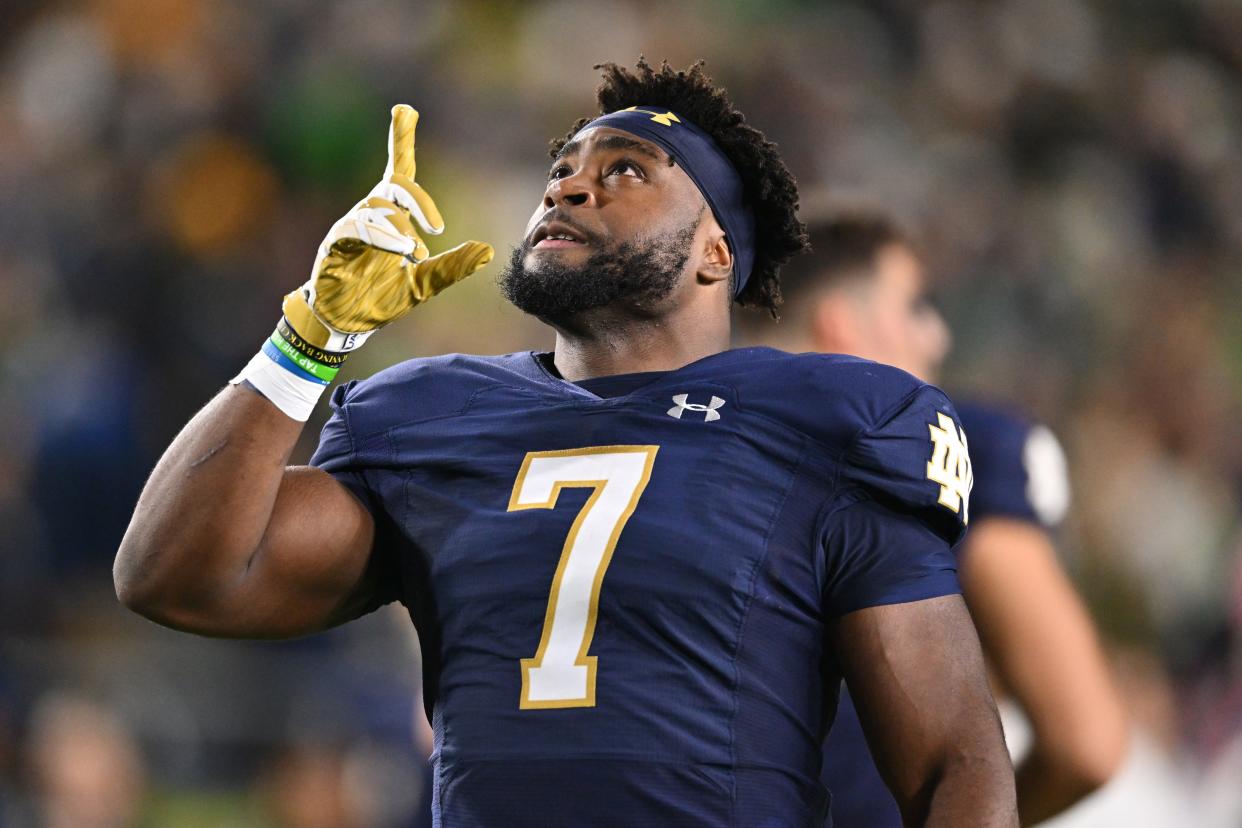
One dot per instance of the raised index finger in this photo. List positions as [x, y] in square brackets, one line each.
[401, 141]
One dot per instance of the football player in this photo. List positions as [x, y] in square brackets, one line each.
[863, 292]
[640, 564]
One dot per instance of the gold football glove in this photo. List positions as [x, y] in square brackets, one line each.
[373, 267]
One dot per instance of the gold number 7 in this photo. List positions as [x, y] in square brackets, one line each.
[561, 674]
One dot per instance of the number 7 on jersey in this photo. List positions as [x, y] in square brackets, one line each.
[561, 674]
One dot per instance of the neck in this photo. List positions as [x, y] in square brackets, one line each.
[608, 346]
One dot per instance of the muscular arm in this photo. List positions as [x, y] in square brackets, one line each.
[917, 678]
[227, 541]
[1042, 645]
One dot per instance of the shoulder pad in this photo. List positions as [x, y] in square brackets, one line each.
[419, 389]
[411, 391]
[828, 397]
[915, 459]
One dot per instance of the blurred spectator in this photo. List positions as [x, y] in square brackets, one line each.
[86, 768]
[306, 788]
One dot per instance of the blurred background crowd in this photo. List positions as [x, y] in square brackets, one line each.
[1073, 170]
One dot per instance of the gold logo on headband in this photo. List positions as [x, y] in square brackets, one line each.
[666, 118]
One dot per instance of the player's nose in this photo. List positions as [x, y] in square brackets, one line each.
[572, 190]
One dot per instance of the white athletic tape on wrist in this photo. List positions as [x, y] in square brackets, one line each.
[295, 396]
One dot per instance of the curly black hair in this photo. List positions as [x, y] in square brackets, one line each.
[769, 187]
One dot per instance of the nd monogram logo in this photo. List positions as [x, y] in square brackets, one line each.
[665, 118]
[950, 465]
[709, 411]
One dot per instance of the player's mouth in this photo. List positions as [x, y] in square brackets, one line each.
[556, 235]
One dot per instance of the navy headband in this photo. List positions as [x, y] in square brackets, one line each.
[709, 169]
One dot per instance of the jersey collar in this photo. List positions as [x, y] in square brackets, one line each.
[543, 370]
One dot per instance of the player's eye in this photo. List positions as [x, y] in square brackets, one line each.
[626, 167]
[559, 171]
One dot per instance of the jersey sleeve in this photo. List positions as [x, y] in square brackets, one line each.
[338, 456]
[1020, 469]
[1047, 476]
[877, 555]
[916, 461]
[905, 503]
[336, 453]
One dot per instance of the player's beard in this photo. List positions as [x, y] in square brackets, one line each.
[634, 274]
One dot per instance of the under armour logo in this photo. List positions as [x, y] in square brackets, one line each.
[665, 118]
[709, 411]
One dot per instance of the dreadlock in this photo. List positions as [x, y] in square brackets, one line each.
[769, 187]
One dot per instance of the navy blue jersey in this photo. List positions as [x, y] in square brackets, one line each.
[1020, 469]
[622, 600]
[1019, 473]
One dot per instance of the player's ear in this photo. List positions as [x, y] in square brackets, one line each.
[717, 261]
